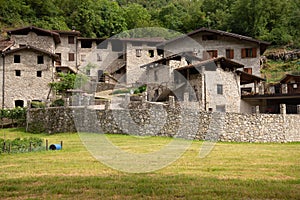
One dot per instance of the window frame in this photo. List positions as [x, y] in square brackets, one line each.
[230, 53]
[39, 73]
[71, 57]
[18, 72]
[71, 39]
[40, 59]
[220, 89]
[17, 58]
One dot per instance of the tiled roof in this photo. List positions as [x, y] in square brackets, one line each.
[54, 56]
[228, 62]
[27, 29]
[5, 44]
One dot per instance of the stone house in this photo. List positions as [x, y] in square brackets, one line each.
[118, 57]
[269, 99]
[27, 66]
[214, 83]
[115, 60]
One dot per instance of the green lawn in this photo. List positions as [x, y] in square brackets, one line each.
[230, 171]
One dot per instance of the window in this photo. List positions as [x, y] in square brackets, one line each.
[18, 72]
[86, 44]
[71, 57]
[19, 103]
[151, 53]
[248, 70]
[58, 63]
[17, 59]
[138, 52]
[99, 57]
[219, 89]
[71, 39]
[249, 53]
[40, 59]
[88, 72]
[160, 52]
[39, 73]
[229, 53]
[210, 54]
[209, 37]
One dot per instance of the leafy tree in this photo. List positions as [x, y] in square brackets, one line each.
[136, 16]
[69, 81]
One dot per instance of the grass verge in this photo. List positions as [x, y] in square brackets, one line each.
[230, 171]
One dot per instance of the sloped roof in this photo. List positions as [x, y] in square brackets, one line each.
[248, 78]
[177, 56]
[5, 44]
[263, 44]
[28, 47]
[73, 32]
[39, 31]
[227, 63]
[289, 76]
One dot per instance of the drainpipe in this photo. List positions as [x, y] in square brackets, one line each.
[3, 79]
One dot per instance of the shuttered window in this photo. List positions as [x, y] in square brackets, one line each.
[249, 53]
[229, 53]
[210, 54]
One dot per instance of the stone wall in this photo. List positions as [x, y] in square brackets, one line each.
[164, 120]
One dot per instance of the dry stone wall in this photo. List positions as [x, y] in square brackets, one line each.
[162, 120]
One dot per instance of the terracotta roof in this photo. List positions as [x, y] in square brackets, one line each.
[27, 29]
[263, 44]
[5, 44]
[52, 55]
[226, 62]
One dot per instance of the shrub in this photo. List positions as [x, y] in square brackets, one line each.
[58, 103]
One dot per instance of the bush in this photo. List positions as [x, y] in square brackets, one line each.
[58, 103]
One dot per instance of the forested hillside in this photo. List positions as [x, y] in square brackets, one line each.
[277, 21]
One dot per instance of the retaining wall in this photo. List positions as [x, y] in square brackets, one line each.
[162, 120]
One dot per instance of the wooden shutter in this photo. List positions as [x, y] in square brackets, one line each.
[71, 57]
[254, 52]
[215, 53]
[243, 53]
[231, 53]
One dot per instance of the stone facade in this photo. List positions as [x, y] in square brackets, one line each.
[27, 80]
[162, 120]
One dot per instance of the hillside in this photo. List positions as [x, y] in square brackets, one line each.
[275, 21]
[279, 61]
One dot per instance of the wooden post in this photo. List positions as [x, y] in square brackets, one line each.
[61, 144]
[46, 145]
[30, 146]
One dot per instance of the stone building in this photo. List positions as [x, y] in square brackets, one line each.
[213, 84]
[42, 53]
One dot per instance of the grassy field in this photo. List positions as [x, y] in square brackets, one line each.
[230, 171]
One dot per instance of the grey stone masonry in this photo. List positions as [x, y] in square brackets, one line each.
[169, 121]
